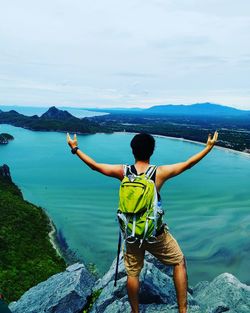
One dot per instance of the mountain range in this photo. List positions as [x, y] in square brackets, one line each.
[196, 109]
[191, 122]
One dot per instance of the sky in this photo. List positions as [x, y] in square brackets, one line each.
[133, 53]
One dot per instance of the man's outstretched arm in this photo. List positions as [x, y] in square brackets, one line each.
[167, 171]
[106, 169]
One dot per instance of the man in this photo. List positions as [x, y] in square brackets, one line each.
[166, 248]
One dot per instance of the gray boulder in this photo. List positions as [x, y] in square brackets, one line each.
[65, 292]
[156, 289]
[5, 171]
[157, 293]
[224, 294]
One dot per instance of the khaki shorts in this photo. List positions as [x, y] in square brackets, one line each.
[165, 249]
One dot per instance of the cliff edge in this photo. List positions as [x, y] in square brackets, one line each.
[70, 293]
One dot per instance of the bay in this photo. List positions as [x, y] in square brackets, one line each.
[206, 207]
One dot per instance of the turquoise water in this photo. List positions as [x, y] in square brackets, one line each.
[207, 207]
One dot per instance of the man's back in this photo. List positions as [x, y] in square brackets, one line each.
[166, 248]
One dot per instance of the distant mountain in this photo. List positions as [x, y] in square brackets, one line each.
[52, 120]
[56, 114]
[189, 122]
[197, 109]
[206, 108]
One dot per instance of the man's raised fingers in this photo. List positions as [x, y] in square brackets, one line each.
[215, 135]
[74, 136]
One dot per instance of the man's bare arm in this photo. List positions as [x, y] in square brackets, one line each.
[106, 169]
[165, 172]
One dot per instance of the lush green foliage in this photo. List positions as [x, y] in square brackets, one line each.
[91, 300]
[233, 129]
[26, 254]
[49, 124]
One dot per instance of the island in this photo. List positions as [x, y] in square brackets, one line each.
[27, 255]
[5, 138]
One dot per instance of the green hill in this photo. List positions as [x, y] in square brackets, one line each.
[26, 253]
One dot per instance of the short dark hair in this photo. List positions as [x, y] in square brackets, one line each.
[143, 146]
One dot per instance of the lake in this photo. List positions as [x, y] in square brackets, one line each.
[207, 207]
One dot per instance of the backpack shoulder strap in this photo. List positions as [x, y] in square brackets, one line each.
[127, 170]
[133, 169]
[151, 171]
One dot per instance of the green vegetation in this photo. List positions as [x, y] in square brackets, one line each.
[50, 123]
[4, 138]
[26, 254]
[234, 130]
[91, 300]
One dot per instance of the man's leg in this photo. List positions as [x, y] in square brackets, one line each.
[180, 282]
[133, 292]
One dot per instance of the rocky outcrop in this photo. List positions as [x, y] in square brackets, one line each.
[157, 294]
[156, 290]
[66, 292]
[5, 171]
[224, 294]
[54, 113]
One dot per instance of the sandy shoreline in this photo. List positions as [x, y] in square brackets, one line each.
[245, 154]
[155, 135]
[52, 236]
[203, 144]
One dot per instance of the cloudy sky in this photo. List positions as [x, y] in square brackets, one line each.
[133, 53]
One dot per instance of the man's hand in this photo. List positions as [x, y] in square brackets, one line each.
[211, 141]
[72, 142]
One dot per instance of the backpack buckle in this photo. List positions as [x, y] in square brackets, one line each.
[131, 177]
[131, 239]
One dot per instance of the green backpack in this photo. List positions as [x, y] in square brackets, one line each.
[139, 213]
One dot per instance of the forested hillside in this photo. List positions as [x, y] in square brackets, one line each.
[26, 253]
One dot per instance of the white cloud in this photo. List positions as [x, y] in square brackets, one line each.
[122, 53]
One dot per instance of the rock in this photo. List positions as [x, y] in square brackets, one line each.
[156, 287]
[54, 113]
[163, 308]
[65, 292]
[157, 293]
[110, 275]
[163, 268]
[118, 306]
[199, 287]
[224, 294]
[5, 171]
